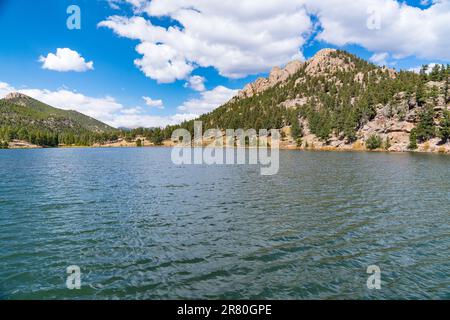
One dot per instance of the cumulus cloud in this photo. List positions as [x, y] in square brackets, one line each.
[427, 2]
[162, 63]
[65, 60]
[245, 37]
[5, 88]
[208, 100]
[153, 103]
[106, 109]
[380, 58]
[196, 83]
[149, 121]
[114, 4]
[236, 38]
[399, 29]
[430, 68]
[102, 108]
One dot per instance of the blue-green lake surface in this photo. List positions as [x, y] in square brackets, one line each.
[140, 227]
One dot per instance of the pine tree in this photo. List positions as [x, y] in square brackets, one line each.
[413, 140]
[435, 74]
[296, 131]
[423, 72]
[388, 143]
[421, 94]
[444, 131]
[446, 93]
[426, 128]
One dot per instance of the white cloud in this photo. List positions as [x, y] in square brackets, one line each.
[245, 37]
[403, 30]
[114, 4]
[99, 108]
[106, 109]
[148, 121]
[136, 110]
[380, 58]
[208, 101]
[153, 103]
[64, 60]
[237, 38]
[196, 83]
[162, 62]
[137, 4]
[5, 88]
[427, 2]
[418, 68]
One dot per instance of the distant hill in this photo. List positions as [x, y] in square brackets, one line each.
[25, 118]
[19, 109]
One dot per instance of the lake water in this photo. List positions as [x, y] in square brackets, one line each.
[140, 227]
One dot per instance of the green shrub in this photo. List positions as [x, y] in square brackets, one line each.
[413, 140]
[426, 128]
[387, 144]
[374, 142]
[444, 131]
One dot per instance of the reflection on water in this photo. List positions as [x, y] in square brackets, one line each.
[140, 227]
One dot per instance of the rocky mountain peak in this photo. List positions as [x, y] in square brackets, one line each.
[276, 76]
[327, 61]
[323, 53]
[18, 98]
[16, 95]
[323, 61]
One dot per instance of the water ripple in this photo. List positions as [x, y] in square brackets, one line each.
[142, 228]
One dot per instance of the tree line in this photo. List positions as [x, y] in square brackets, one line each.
[338, 103]
[49, 138]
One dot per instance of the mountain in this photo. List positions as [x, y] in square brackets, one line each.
[24, 118]
[17, 108]
[336, 100]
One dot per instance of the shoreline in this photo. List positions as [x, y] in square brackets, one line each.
[284, 148]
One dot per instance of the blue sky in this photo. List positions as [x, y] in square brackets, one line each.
[225, 59]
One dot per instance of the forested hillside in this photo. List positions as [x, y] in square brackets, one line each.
[334, 100]
[337, 98]
[24, 118]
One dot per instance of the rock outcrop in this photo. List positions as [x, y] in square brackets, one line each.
[276, 76]
[338, 91]
[17, 98]
[324, 62]
[15, 95]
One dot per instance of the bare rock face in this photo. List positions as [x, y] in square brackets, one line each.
[295, 102]
[19, 98]
[392, 73]
[276, 76]
[392, 123]
[324, 62]
[359, 77]
[15, 95]
[293, 66]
